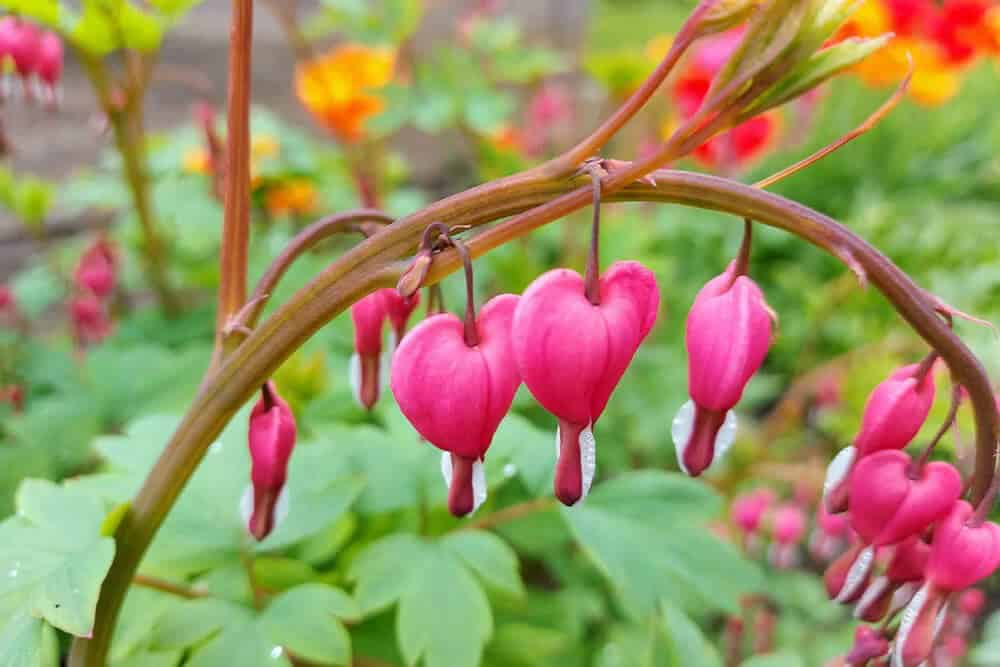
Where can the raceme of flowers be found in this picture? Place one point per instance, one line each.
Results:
(94, 282)
(340, 87)
(33, 56)
(943, 40)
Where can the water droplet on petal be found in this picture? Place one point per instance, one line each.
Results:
(354, 377)
(838, 469)
(588, 458)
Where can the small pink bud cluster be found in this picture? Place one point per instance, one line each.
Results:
(35, 56)
(369, 316)
(728, 335)
(758, 517)
(569, 351)
(271, 439)
(95, 279)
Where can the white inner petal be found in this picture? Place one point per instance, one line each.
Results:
(910, 615)
(874, 590)
(588, 458)
(446, 468)
(903, 595)
(354, 377)
(683, 424)
(478, 485)
(857, 574)
(838, 469)
(281, 507)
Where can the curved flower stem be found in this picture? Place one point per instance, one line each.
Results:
(592, 281)
(303, 241)
(376, 263)
(956, 401)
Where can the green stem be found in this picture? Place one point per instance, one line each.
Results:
(376, 263)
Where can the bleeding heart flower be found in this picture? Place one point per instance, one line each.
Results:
(748, 509)
(90, 320)
(271, 438)
(963, 553)
(891, 500)
(869, 644)
(728, 334)
(788, 525)
(847, 577)
(398, 309)
(456, 395)
(572, 353)
(368, 316)
(921, 621)
(906, 566)
(24, 39)
(829, 535)
(96, 271)
(893, 415)
(49, 65)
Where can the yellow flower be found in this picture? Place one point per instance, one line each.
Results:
(337, 87)
(290, 197)
(196, 161)
(934, 80)
(870, 19)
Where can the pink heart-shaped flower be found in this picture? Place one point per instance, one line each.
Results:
(890, 501)
(963, 554)
(456, 395)
(571, 354)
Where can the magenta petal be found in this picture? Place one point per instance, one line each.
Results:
(728, 334)
(895, 411)
(962, 555)
(271, 439)
(455, 395)
(368, 315)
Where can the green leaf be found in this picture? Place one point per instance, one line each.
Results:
(26, 641)
(53, 557)
(305, 621)
(489, 557)
(645, 531)
(527, 448)
(191, 622)
(443, 617)
(689, 644)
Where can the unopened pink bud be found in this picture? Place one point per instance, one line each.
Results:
(906, 566)
(869, 644)
(728, 335)
(90, 320)
(368, 315)
(971, 602)
(848, 576)
(788, 524)
(572, 354)
(891, 501)
(23, 42)
(963, 553)
(50, 58)
(96, 270)
(748, 509)
(895, 411)
(456, 395)
(271, 438)
(399, 308)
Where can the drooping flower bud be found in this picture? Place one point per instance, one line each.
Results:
(788, 527)
(49, 66)
(893, 415)
(891, 500)
(399, 308)
(906, 566)
(965, 550)
(90, 320)
(572, 354)
(830, 534)
(271, 438)
(456, 395)
(368, 316)
(748, 510)
(24, 39)
(96, 270)
(869, 644)
(971, 602)
(847, 577)
(728, 334)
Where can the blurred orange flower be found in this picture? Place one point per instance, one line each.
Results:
(196, 161)
(291, 197)
(337, 87)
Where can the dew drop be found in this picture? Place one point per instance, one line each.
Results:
(509, 470)
(215, 447)
(277, 652)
